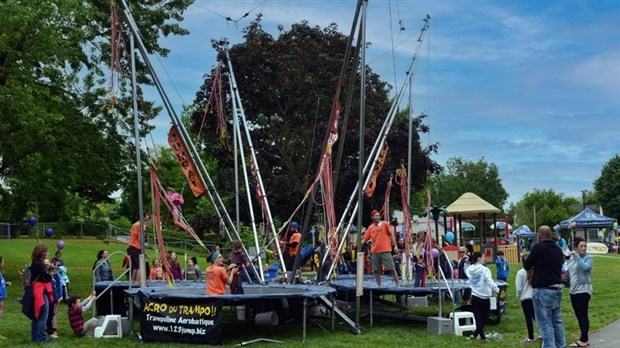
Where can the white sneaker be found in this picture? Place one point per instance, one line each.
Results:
(528, 341)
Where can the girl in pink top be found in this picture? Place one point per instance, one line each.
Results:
(177, 202)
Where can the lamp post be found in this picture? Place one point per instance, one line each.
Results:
(583, 197)
(535, 227)
(435, 211)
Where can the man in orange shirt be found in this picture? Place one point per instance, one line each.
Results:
(293, 245)
(383, 242)
(135, 247)
(217, 277)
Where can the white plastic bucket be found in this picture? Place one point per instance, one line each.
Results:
(266, 319)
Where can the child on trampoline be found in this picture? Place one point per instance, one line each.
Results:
(177, 208)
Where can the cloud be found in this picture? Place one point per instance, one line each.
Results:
(599, 73)
(532, 87)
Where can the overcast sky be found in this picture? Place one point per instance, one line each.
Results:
(532, 86)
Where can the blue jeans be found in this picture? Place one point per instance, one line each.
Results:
(547, 308)
(37, 328)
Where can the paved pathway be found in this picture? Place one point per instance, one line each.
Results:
(607, 337)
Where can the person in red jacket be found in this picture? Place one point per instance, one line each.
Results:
(383, 242)
(42, 293)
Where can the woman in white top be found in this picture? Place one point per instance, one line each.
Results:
(523, 283)
(482, 288)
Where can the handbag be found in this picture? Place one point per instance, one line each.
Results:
(28, 302)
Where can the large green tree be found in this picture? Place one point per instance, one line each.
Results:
(543, 207)
(460, 176)
(607, 187)
(65, 136)
(287, 85)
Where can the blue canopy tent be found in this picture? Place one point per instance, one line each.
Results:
(501, 225)
(467, 227)
(588, 219)
(524, 232)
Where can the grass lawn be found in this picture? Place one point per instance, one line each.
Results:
(79, 256)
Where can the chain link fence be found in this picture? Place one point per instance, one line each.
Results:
(99, 231)
(5, 230)
(61, 229)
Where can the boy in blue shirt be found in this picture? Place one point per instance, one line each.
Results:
(559, 241)
(3, 294)
(503, 268)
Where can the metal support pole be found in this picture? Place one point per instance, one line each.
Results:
(130, 316)
(333, 299)
(202, 172)
(360, 178)
(370, 301)
(136, 132)
(304, 318)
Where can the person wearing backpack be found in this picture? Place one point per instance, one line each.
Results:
(42, 294)
(3, 294)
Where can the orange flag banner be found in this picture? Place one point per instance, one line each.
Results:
(187, 166)
(372, 184)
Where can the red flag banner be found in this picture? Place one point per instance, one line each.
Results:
(187, 166)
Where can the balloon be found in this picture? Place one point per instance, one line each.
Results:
(49, 232)
(573, 224)
(435, 253)
(32, 221)
(603, 230)
(449, 237)
(60, 245)
(615, 224)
